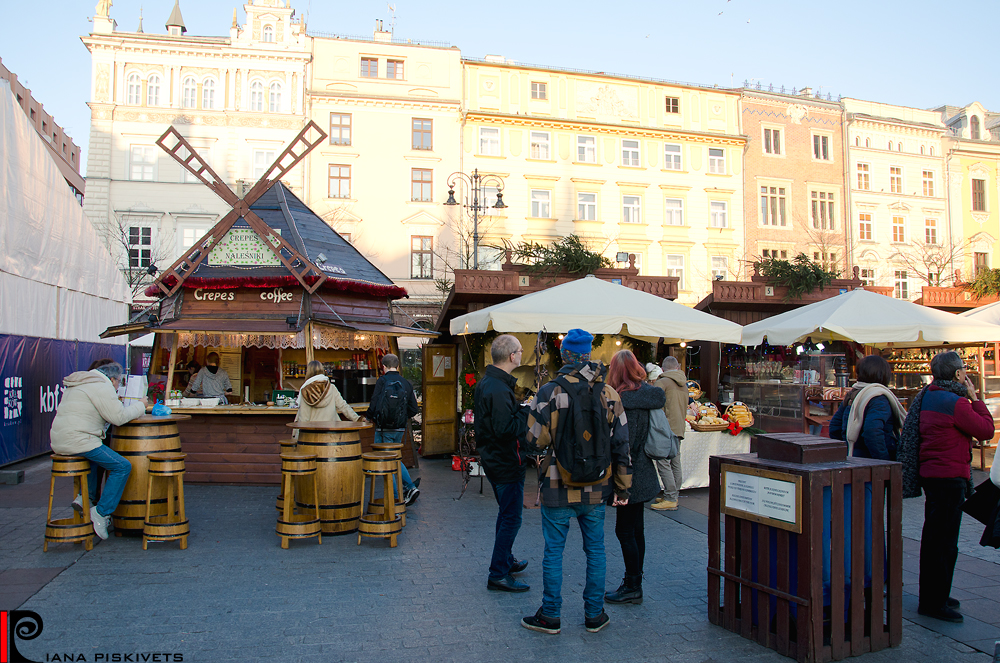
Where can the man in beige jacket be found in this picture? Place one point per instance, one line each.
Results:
(90, 404)
(674, 383)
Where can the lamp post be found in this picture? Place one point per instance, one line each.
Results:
(475, 184)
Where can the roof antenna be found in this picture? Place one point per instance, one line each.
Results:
(392, 16)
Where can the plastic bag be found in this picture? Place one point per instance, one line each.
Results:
(160, 410)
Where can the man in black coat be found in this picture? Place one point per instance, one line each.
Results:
(499, 422)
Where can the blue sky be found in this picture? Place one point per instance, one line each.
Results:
(911, 53)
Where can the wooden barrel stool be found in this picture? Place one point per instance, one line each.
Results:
(295, 469)
(376, 503)
(387, 524)
(337, 446)
(287, 446)
(171, 524)
(78, 528)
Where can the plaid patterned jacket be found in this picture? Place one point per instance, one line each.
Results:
(549, 404)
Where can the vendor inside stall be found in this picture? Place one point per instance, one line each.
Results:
(211, 381)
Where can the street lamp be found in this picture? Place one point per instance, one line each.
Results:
(476, 185)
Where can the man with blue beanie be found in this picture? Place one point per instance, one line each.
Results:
(549, 413)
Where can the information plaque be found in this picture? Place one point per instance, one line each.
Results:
(764, 496)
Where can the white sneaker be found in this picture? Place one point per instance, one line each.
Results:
(100, 523)
(78, 504)
(411, 496)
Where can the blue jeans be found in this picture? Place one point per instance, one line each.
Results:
(396, 437)
(118, 470)
(555, 527)
(510, 498)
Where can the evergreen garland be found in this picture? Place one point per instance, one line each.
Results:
(800, 276)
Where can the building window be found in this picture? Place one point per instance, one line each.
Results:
(153, 91)
(268, 34)
(898, 229)
(586, 206)
(901, 279)
(673, 105)
(980, 262)
(718, 214)
(257, 96)
(824, 211)
(586, 149)
(675, 267)
(930, 231)
(134, 92)
(923, 149)
(143, 166)
(673, 213)
(774, 254)
(630, 153)
(899, 146)
(340, 128)
(720, 267)
(828, 260)
(189, 93)
(895, 179)
(865, 227)
(422, 133)
(890, 146)
(717, 161)
(539, 147)
(772, 141)
(339, 181)
(631, 209)
(274, 98)
(929, 183)
(369, 67)
(672, 156)
(489, 141)
(868, 277)
(932, 150)
(208, 94)
(420, 184)
(421, 257)
(868, 142)
(262, 160)
(821, 148)
(864, 177)
(394, 69)
(772, 206)
(539, 90)
(974, 127)
(541, 204)
(978, 195)
(140, 246)
(189, 236)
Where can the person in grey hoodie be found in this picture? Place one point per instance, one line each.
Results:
(320, 400)
(673, 382)
(88, 406)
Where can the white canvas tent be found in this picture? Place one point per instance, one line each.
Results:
(599, 307)
(57, 278)
(987, 313)
(870, 318)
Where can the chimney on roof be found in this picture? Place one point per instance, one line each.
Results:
(806, 92)
(381, 34)
(175, 24)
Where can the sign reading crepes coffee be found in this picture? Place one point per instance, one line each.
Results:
(247, 301)
(243, 246)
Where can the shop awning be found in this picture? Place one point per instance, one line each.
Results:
(392, 330)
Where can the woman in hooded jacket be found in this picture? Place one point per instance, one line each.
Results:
(628, 377)
(319, 400)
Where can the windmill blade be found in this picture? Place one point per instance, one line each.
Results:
(185, 266)
(174, 144)
(276, 243)
(308, 139)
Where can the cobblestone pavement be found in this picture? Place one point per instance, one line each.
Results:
(235, 595)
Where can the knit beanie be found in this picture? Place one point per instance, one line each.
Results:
(653, 372)
(576, 346)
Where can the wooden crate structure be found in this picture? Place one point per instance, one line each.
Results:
(774, 585)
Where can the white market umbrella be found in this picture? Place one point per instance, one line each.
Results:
(872, 319)
(988, 313)
(599, 307)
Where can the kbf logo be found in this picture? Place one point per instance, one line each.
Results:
(17, 625)
(48, 398)
(13, 398)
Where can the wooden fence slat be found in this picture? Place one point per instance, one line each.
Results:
(895, 555)
(837, 580)
(812, 560)
(746, 556)
(858, 479)
(730, 587)
(764, 578)
(877, 611)
(783, 584)
(714, 523)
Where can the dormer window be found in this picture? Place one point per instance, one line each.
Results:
(974, 127)
(268, 34)
(175, 31)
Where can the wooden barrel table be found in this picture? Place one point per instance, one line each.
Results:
(339, 482)
(135, 441)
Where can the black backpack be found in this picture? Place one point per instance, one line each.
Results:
(391, 410)
(583, 452)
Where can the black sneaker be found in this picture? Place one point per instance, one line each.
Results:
(954, 604)
(541, 623)
(595, 624)
(416, 482)
(411, 496)
(943, 613)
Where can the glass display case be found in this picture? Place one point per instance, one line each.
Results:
(911, 369)
(778, 407)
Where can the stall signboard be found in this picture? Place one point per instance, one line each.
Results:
(763, 496)
(280, 301)
(243, 246)
(31, 375)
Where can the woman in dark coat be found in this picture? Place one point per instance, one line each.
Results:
(870, 417)
(628, 377)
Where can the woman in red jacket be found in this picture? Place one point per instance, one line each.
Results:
(950, 416)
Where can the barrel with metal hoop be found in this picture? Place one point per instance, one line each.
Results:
(136, 440)
(337, 446)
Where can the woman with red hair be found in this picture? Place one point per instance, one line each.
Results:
(628, 377)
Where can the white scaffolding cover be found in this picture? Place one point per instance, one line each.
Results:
(57, 278)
